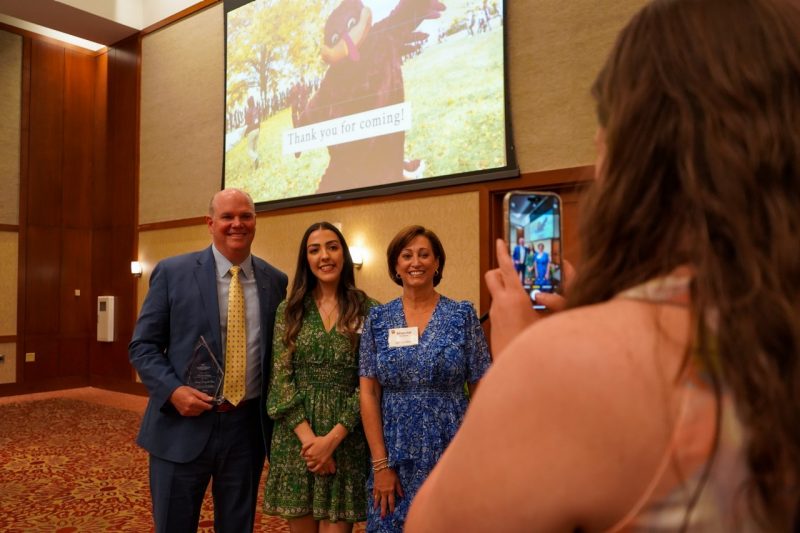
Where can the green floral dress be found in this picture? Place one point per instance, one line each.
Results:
(318, 384)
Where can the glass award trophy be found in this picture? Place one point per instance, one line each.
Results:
(205, 373)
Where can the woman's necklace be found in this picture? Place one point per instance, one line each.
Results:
(326, 312)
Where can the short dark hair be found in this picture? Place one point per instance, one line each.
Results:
(401, 240)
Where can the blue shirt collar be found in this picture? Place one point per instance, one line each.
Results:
(224, 265)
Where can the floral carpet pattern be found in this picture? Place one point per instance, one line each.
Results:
(73, 466)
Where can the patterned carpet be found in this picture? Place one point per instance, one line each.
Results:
(72, 466)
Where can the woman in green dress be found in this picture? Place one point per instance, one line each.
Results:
(319, 462)
(530, 266)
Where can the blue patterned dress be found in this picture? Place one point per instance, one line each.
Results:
(423, 399)
(542, 260)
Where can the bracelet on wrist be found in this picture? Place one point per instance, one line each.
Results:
(380, 464)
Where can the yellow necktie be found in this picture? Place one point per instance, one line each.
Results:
(236, 343)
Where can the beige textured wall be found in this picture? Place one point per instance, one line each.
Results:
(371, 227)
(9, 261)
(8, 368)
(9, 251)
(10, 104)
(555, 49)
(182, 102)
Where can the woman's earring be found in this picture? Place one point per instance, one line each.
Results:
(436, 272)
(397, 275)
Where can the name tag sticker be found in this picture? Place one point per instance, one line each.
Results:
(403, 337)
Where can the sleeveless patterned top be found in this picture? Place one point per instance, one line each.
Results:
(677, 498)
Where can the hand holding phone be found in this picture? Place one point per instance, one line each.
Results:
(511, 311)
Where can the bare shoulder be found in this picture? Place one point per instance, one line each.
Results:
(610, 340)
(577, 404)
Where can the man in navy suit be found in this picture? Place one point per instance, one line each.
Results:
(192, 440)
(519, 258)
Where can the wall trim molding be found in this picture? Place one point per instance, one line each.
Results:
(191, 10)
(13, 389)
(543, 178)
(51, 40)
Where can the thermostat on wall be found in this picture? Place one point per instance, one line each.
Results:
(105, 318)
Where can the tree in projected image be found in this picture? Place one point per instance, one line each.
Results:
(267, 52)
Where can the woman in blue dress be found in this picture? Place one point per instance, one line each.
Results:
(417, 352)
(542, 266)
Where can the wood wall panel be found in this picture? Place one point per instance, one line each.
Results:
(79, 76)
(125, 290)
(76, 268)
(72, 359)
(101, 185)
(123, 287)
(101, 353)
(122, 157)
(46, 365)
(101, 362)
(44, 178)
(102, 278)
(57, 162)
(114, 233)
(42, 280)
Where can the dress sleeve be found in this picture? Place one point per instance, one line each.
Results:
(283, 399)
(350, 413)
(368, 350)
(477, 356)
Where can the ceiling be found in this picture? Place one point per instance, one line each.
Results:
(90, 24)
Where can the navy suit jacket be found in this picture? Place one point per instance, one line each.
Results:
(180, 306)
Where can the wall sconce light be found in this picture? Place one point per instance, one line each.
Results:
(357, 254)
(136, 269)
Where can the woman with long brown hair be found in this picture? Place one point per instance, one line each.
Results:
(318, 466)
(668, 397)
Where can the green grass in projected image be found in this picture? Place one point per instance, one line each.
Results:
(458, 122)
(278, 176)
(464, 115)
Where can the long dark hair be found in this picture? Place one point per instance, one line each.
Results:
(352, 301)
(700, 101)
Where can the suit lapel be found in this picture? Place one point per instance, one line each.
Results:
(206, 276)
(264, 299)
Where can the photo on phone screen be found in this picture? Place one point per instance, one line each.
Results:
(533, 231)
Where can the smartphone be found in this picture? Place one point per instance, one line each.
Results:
(532, 226)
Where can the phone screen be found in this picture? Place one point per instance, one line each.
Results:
(533, 232)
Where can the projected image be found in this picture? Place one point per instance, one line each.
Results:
(331, 96)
